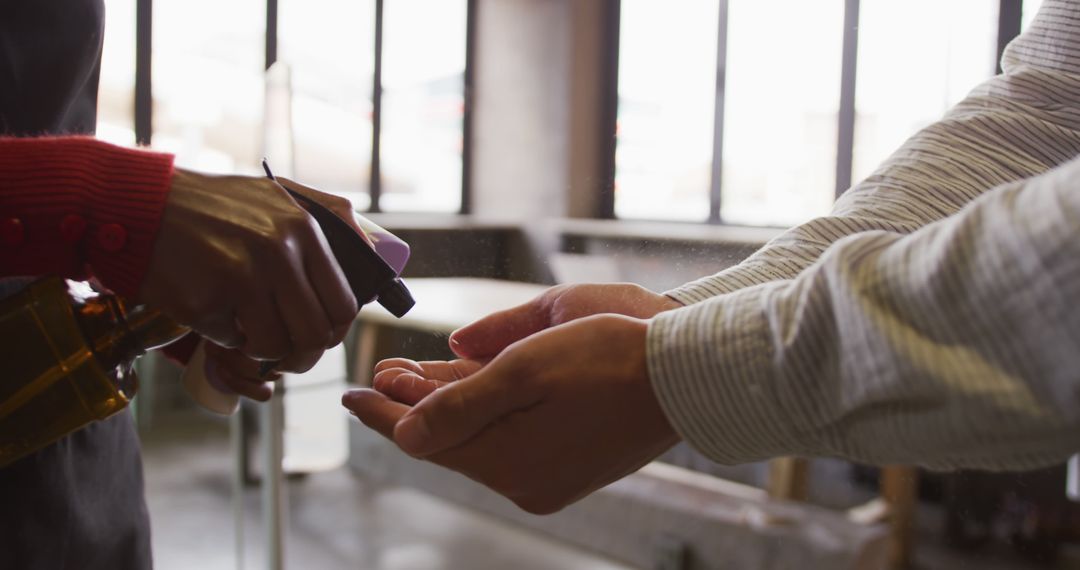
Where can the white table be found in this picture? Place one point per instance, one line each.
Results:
(443, 305)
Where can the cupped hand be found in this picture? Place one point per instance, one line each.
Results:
(239, 262)
(561, 304)
(549, 420)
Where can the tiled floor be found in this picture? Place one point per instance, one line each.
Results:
(336, 520)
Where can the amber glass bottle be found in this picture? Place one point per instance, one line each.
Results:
(69, 352)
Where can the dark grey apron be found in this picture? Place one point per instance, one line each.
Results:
(77, 504)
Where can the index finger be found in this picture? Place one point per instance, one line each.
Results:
(375, 410)
(441, 370)
(330, 286)
(489, 335)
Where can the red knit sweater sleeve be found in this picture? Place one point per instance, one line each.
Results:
(74, 206)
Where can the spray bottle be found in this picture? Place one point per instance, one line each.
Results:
(70, 349)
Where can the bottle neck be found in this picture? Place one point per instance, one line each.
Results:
(152, 329)
(117, 333)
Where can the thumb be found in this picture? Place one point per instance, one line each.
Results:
(340, 206)
(488, 336)
(455, 413)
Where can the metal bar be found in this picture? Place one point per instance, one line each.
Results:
(375, 184)
(273, 488)
(845, 139)
(717, 182)
(144, 101)
(236, 441)
(1072, 485)
(467, 119)
(1010, 17)
(271, 32)
(272, 416)
(610, 109)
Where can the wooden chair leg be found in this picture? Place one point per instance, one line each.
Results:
(788, 479)
(899, 485)
(366, 353)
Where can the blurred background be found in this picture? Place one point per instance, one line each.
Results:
(534, 142)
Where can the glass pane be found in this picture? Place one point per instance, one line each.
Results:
(208, 59)
(423, 104)
(1031, 7)
(782, 104)
(330, 48)
(667, 97)
(116, 92)
(899, 91)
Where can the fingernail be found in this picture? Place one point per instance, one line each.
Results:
(412, 434)
(350, 398)
(456, 347)
(376, 380)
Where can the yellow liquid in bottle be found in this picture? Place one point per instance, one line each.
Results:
(68, 362)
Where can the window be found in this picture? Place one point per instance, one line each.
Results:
(116, 90)
(208, 87)
(1031, 7)
(665, 111)
(781, 103)
(208, 82)
(423, 100)
(745, 112)
(329, 46)
(900, 91)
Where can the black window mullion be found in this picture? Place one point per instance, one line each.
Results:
(271, 32)
(144, 23)
(1010, 16)
(605, 204)
(375, 184)
(845, 140)
(717, 180)
(467, 119)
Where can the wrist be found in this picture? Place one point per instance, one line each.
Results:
(76, 202)
(636, 346)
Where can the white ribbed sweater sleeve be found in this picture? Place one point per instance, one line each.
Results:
(955, 346)
(1014, 126)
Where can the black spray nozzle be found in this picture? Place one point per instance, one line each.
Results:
(396, 298)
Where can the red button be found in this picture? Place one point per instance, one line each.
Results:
(112, 237)
(72, 228)
(11, 231)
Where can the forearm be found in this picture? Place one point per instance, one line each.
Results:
(955, 346)
(69, 204)
(1014, 126)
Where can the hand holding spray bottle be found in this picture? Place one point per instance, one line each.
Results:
(73, 349)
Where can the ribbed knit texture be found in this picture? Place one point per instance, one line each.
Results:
(42, 180)
(953, 346)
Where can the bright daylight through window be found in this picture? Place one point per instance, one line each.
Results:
(206, 72)
(329, 46)
(423, 104)
(781, 91)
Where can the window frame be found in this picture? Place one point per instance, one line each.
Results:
(1010, 14)
(143, 111)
